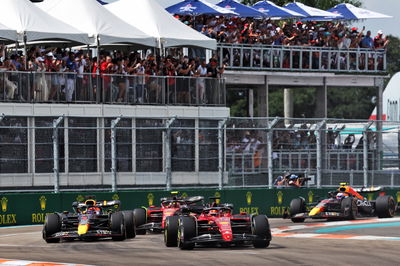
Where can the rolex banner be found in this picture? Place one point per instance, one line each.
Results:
(31, 208)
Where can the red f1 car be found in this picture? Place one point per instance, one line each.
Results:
(217, 225)
(153, 218)
(345, 203)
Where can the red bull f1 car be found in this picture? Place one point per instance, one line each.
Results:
(90, 220)
(346, 203)
(217, 225)
(153, 217)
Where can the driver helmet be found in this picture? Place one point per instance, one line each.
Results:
(293, 176)
(93, 210)
(340, 195)
(213, 212)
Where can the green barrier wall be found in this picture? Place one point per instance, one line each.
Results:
(23, 209)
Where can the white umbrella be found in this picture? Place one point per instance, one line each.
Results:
(311, 13)
(154, 20)
(32, 24)
(97, 22)
(348, 11)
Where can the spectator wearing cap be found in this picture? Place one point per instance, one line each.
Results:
(379, 40)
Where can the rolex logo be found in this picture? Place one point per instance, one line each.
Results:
(249, 197)
(184, 195)
(150, 198)
(80, 198)
(280, 197)
(218, 196)
(310, 196)
(398, 196)
(42, 201)
(4, 202)
(115, 197)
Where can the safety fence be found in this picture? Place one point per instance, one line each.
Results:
(129, 152)
(65, 87)
(31, 208)
(301, 58)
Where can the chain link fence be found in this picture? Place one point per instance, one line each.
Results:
(132, 152)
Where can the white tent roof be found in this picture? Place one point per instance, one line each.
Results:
(93, 19)
(154, 20)
(24, 17)
(7, 33)
(168, 3)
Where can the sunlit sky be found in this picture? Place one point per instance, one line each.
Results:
(388, 7)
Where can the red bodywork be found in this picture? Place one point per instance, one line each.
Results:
(156, 215)
(221, 222)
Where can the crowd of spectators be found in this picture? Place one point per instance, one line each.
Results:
(83, 66)
(269, 32)
(246, 149)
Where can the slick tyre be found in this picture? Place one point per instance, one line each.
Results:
(297, 206)
(140, 215)
(118, 227)
(51, 226)
(186, 231)
(385, 206)
(261, 229)
(349, 208)
(171, 231)
(129, 221)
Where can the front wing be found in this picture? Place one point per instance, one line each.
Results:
(321, 215)
(90, 234)
(217, 238)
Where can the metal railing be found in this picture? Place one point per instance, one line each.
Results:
(48, 87)
(174, 151)
(301, 58)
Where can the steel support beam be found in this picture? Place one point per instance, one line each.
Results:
(56, 154)
(365, 153)
(221, 145)
(320, 125)
(269, 146)
(114, 124)
(168, 159)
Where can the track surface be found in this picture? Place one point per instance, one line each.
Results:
(25, 243)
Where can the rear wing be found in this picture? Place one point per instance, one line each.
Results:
(100, 203)
(368, 190)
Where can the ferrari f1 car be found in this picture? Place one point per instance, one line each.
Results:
(90, 220)
(346, 203)
(153, 217)
(217, 225)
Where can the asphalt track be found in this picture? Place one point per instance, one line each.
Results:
(294, 244)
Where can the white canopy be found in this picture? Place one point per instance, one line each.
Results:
(154, 20)
(93, 19)
(168, 3)
(7, 33)
(27, 19)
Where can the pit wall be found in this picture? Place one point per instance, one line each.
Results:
(31, 208)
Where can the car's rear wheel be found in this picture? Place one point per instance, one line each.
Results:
(349, 208)
(186, 231)
(385, 206)
(129, 221)
(117, 226)
(171, 231)
(140, 215)
(260, 228)
(51, 226)
(297, 206)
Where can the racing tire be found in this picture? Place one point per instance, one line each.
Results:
(171, 231)
(118, 227)
(385, 206)
(260, 228)
(186, 231)
(129, 221)
(297, 206)
(51, 226)
(349, 208)
(140, 215)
